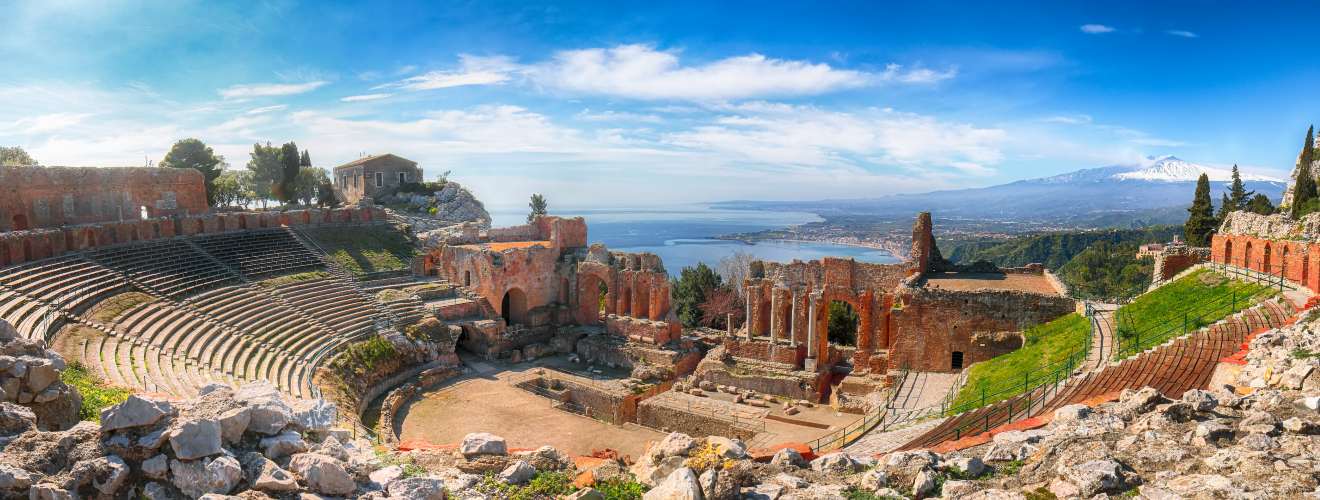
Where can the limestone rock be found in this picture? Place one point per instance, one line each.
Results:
(313, 415)
(873, 480)
(16, 419)
(518, 472)
(384, 476)
(199, 477)
(1200, 400)
(322, 474)
(727, 448)
(47, 491)
(1259, 422)
(157, 467)
(679, 485)
(111, 476)
(482, 443)
(269, 416)
(789, 456)
(970, 466)
(1088, 479)
(13, 478)
(419, 488)
(195, 438)
(136, 411)
(233, 423)
(958, 489)
(284, 444)
(1071, 413)
(587, 493)
(265, 475)
(838, 463)
(158, 491)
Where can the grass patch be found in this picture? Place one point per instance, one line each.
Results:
(113, 307)
(290, 279)
(1300, 353)
(1201, 298)
(1046, 347)
(364, 250)
(96, 394)
(543, 485)
(363, 357)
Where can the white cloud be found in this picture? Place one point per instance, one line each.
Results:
(49, 122)
(895, 73)
(1182, 33)
(642, 72)
(1096, 29)
(473, 70)
(617, 116)
(364, 97)
(267, 109)
(268, 89)
(1069, 119)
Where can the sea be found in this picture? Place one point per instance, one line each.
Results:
(685, 235)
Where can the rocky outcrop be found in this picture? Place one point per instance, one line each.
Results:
(30, 376)
(452, 204)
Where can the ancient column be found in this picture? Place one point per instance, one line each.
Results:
(811, 327)
(747, 294)
(792, 319)
(774, 312)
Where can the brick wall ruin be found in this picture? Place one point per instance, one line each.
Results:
(1293, 259)
(51, 197)
(17, 247)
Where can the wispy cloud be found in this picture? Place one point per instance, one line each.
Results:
(51, 122)
(473, 70)
(1096, 29)
(895, 73)
(269, 89)
(1182, 33)
(364, 97)
(267, 109)
(617, 116)
(642, 72)
(1069, 119)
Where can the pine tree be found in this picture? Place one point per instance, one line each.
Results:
(1237, 193)
(1308, 147)
(306, 160)
(1201, 218)
(1225, 206)
(538, 206)
(1304, 193)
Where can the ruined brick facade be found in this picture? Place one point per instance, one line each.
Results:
(24, 246)
(51, 197)
(1295, 260)
(543, 274)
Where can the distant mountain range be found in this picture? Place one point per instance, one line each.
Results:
(1153, 192)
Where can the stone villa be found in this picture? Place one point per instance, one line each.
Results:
(364, 177)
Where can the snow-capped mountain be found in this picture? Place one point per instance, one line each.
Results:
(1170, 168)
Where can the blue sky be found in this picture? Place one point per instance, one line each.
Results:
(639, 103)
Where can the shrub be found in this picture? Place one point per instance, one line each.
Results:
(365, 356)
(620, 489)
(96, 394)
(543, 485)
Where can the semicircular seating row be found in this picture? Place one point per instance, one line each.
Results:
(209, 323)
(1184, 363)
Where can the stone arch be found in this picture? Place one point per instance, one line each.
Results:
(1246, 256)
(242, 221)
(514, 307)
(593, 298)
(306, 217)
(625, 301)
(956, 360)
(642, 309)
(1283, 260)
(847, 314)
(20, 222)
(1228, 250)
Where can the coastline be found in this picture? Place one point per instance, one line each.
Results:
(895, 249)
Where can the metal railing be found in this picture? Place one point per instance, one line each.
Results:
(883, 418)
(1132, 339)
(1247, 274)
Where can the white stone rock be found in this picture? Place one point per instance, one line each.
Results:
(1200, 400)
(157, 467)
(264, 475)
(13, 478)
(47, 491)
(482, 443)
(283, 444)
(1071, 413)
(384, 476)
(418, 488)
(113, 476)
(1311, 402)
(970, 466)
(840, 463)
(268, 416)
(727, 448)
(197, 438)
(873, 480)
(958, 489)
(322, 474)
(924, 483)
(136, 411)
(518, 472)
(233, 423)
(314, 415)
(788, 456)
(199, 477)
(679, 485)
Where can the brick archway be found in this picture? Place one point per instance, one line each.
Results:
(594, 297)
(20, 222)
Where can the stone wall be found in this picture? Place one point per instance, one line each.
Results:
(1295, 260)
(1175, 259)
(667, 413)
(17, 247)
(50, 197)
(935, 323)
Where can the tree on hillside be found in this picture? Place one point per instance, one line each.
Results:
(733, 269)
(721, 306)
(325, 194)
(1308, 147)
(306, 160)
(15, 157)
(1304, 199)
(1225, 206)
(290, 160)
(1260, 204)
(1237, 193)
(266, 169)
(693, 286)
(1201, 218)
(195, 154)
(1107, 271)
(538, 206)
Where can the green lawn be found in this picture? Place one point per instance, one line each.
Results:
(364, 250)
(1047, 347)
(1202, 298)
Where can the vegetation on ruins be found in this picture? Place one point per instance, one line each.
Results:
(620, 489)
(543, 485)
(538, 206)
(15, 157)
(290, 164)
(1044, 346)
(233, 188)
(363, 357)
(96, 394)
(843, 324)
(289, 279)
(692, 289)
(1108, 271)
(195, 154)
(1193, 301)
(1201, 222)
(308, 183)
(366, 249)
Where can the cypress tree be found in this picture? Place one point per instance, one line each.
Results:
(1200, 216)
(306, 160)
(1237, 193)
(1303, 191)
(1225, 206)
(1308, 147)
(290, 160)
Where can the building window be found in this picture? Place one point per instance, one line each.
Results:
(956, 362)
(380, 179)
(403, 177)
